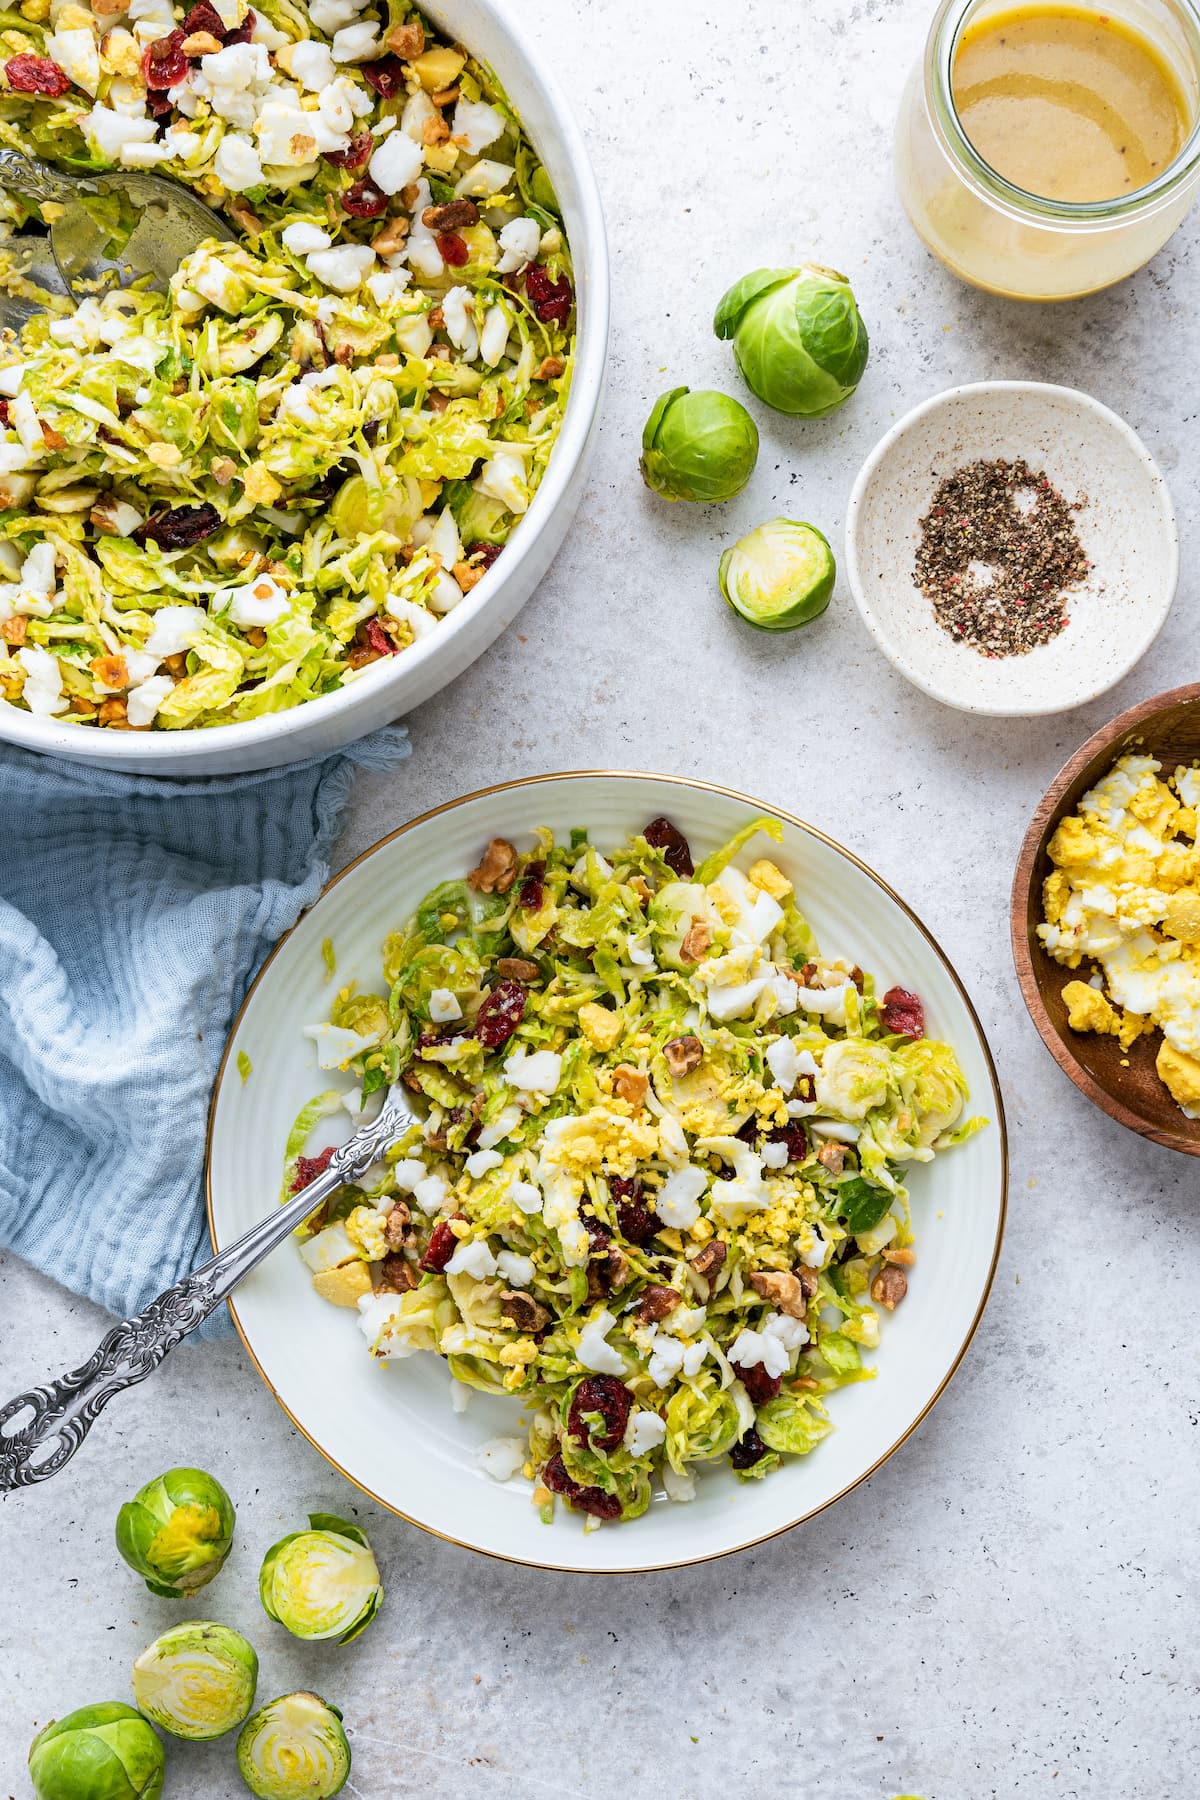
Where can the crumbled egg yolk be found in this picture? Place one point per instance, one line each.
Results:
(1124, 894)
(605, 1136)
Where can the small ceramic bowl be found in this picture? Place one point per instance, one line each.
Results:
(1122, 1083)
(1127, 529)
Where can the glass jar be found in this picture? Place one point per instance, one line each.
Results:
(997, 236)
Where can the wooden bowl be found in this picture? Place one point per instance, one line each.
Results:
(1166, 727)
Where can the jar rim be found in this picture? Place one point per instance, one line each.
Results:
(941, 48)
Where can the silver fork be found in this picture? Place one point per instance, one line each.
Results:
(64, 1411)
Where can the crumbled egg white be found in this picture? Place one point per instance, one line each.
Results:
(594, 1351)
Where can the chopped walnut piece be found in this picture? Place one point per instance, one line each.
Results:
(397, 1227)
(805, 1384)
(396, 1274)
(451, 217)
(434, 131)
(222, 469)
(630, 1084)
(641, 888)
(656, 1302)
(53, 440)
(245, 217)
(445, 96)
(832, 1157)
(79, 702)
(808, 1280)
(468, 575)
(523, 1311)
(13, 630)
(435, 318)
(515, 968)
(549, 369)
(110, 671)
(202, 43)
(256, 636)
(391, 239)
(407, 40)
(497, 868)
(906, 1258)
(438, 403)
(697, 941)
(889, 1287)
(683, 1054)
(709, 1261)
(783, 1291)
(176, 664)
(112, 712)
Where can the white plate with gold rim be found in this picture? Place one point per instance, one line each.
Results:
(392, 1430)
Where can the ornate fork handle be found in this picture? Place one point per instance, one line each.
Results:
(64, 1411)
(35, 180)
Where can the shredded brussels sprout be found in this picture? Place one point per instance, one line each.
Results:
(659, 1194)
(222, 501)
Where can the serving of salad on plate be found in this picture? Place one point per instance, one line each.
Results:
(224, 500)
(658, 1194)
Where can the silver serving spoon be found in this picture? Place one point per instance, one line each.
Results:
(62, 1412)
(156, 223)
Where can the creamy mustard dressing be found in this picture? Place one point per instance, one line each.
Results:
(1068, 103)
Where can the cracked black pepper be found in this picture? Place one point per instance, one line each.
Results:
(998, 555)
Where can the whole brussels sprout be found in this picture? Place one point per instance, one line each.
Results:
(177, 1531)
(700, 446)
(798, 337)
(104, 1752)
(197, 1680)
(294, 1748)
(322, 1583)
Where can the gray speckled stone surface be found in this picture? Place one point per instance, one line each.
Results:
(1009, 1607)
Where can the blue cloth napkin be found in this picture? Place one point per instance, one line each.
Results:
(133, 912)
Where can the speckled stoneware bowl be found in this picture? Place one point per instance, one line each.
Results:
(1127, 529)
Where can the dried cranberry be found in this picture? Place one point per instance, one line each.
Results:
(36, 75)
(309, 1167)
(502, 1011)
(533, 886)
(638, 1222)
(161, 105)
(442, 1245)
(357, 151)
(551, 300)
(605, 1395)
(180, 528)
(806, 1089)
(364, 200)
(794, 1136)
(760, 1386)
(244, 32)
(660, 834)
(204, 17)
(378, 639)
(4, 414)
(903, 1013)
(585, 1499)
(164, 64)
(484, 554)
(385, 75)
(750, 1450)
(455, 250)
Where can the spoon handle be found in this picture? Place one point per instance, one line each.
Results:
(62, 1412)
(34, 180)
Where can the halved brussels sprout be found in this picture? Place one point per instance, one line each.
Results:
(779, 575)
(700, 446)
(322, 1583)
(798, 337)
(294, 1749)
(177, 1531)
(104, 1752)
(197, 1680)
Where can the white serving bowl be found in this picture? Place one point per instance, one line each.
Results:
(1127, 528)
(392, 687)
(392, 1429)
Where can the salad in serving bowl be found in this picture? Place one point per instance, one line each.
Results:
(241, 495)
(658, 1194)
